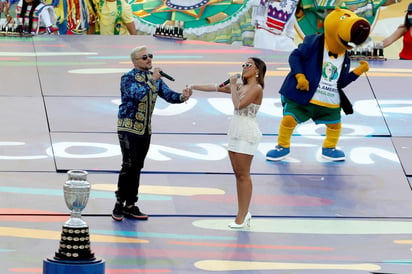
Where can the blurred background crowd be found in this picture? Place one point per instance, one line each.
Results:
(271, 24)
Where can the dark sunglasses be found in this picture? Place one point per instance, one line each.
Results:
(246, 65)
(145, 56)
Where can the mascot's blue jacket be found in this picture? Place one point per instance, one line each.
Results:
(307, 59)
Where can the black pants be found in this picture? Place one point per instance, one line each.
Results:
(134, 150)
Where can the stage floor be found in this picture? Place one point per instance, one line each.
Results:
(59, 98)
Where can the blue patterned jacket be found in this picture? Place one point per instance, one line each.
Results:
(138, 98)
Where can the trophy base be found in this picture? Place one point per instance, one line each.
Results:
(53, 266)
(74, 245)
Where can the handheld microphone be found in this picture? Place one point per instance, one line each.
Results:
(167, 76)
(228, 81)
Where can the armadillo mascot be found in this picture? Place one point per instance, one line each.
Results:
(313, 89)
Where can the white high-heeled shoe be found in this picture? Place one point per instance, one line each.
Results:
(246, 221)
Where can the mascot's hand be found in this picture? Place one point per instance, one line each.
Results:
(303, 83)
(363, 67)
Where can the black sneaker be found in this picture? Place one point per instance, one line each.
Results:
(134, 213)
(117, 213)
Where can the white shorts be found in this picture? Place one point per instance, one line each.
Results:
(266, 40)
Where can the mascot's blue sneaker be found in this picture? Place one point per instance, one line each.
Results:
(333, 154)
(278, 153)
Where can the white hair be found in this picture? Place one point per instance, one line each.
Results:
(136, 50)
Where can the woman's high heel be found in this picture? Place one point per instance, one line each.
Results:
(246, 221)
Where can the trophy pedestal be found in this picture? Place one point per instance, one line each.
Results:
(74, 254)
(54, 266)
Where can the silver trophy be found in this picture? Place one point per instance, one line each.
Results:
(75, 238)
(76, 194)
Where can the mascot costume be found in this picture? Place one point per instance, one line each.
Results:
(319, 70)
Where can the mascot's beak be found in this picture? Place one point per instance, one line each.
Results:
(360, 31)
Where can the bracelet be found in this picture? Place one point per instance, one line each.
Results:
(216, 87)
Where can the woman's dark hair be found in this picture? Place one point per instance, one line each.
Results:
(34, 4)
(261, 66)
(407, 23)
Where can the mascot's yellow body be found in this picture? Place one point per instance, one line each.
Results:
(314, 87)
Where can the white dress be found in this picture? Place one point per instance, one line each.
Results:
(244, 133)
(274, 23)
